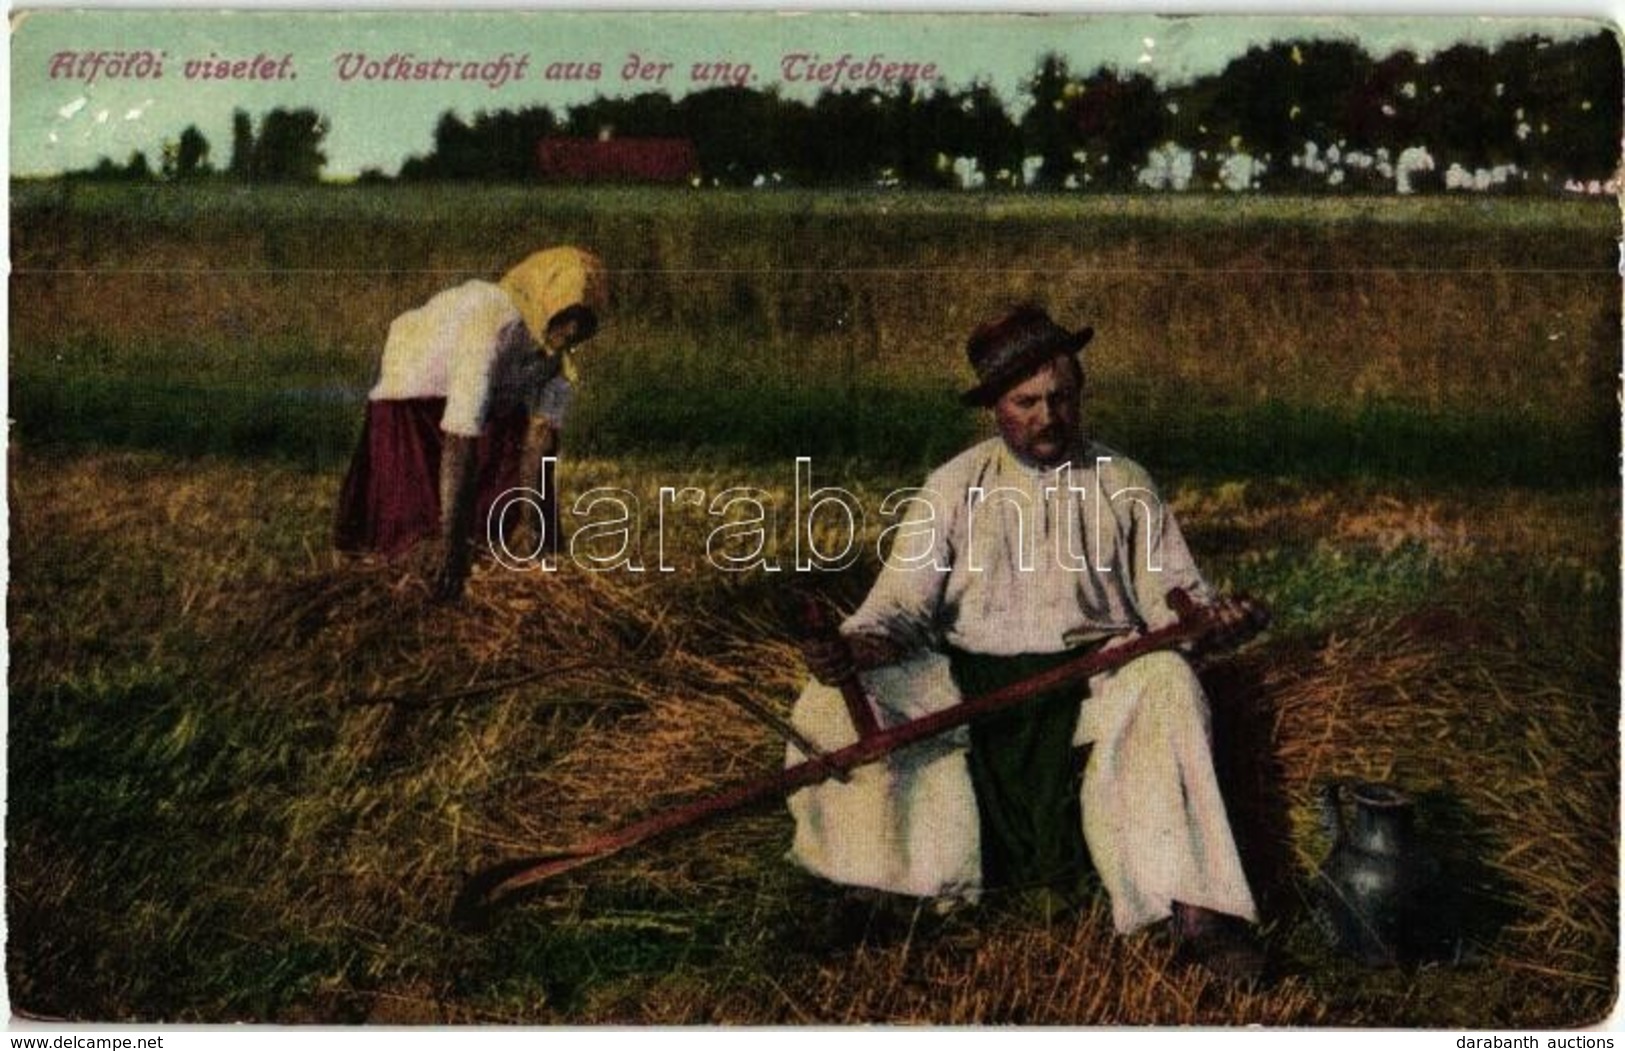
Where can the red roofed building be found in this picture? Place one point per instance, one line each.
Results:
(562, 159)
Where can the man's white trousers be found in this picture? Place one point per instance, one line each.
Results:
(1152, 813)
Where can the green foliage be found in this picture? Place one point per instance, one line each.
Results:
(242, 145)
(1552, 108)
(287, 147)
(1116, 120)
(312, 427)
(1046, 127)
(496, 146)
(1322, 442)
(187, 157)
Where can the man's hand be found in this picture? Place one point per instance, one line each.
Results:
(829, 659)
(1237, 618)
(1231, 619)
(833, 658)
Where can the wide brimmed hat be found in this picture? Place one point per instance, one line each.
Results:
(1006, 350)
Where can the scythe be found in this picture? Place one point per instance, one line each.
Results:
(509, 881)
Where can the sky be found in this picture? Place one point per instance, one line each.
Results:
(73, 118)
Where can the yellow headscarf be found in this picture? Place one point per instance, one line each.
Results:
(550, 282)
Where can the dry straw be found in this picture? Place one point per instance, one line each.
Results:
(1444, 705)
(413, 743)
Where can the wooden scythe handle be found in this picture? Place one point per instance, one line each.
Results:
(858, 706)
(1197, 625)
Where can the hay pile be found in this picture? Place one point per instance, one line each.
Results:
(1514, 765)
(642, 696)
(546, 706)
(549, 707)
(302, 757)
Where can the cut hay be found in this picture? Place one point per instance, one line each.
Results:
(1515, 775)
(1511, 771)
(302, 756)
(645, 704)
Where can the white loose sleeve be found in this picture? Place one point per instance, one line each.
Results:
(1161, 561)
(475, 340)
(905, 604)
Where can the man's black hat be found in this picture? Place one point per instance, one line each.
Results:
(1006, 350)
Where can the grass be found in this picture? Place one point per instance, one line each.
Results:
(765, 423)
(188, 204)
(248, 777)
(1339, 338)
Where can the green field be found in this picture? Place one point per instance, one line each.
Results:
(1343, 337)
(247, 776)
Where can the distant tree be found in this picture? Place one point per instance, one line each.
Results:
(934, 130)
(192, 154)
(1326, 75)
(908, 156)
(1321, 89)
(735, 131)
(456, 154)
(1465, 119)
(1187, 107)
(508, 139)
(186, 157)
(371, 176)
(846, 137)
(415, 169)
(1118, 118)
(106, 170)
(1540, 104)
(795, 143)
(1375, 111)
(136, 169)
(992, 138)
(1047, 128)
(496, 145)
(1252, 101)
(1378, 114)
(288, 146)
(242, 146)
(1574, 107)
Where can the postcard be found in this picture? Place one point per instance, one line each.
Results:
(730, 518)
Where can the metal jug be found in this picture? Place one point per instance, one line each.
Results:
(1374, 883)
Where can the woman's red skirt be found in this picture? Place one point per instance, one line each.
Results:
(391, 495)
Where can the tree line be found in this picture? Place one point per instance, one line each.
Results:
(284, 146)
(1292, 115)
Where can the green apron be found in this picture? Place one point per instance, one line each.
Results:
(1026, 781)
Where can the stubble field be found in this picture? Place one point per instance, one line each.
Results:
(247, 776)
